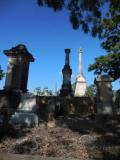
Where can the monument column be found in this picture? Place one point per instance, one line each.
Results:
(67, 53)
(80, 67)
(80, 87)
(67, 72)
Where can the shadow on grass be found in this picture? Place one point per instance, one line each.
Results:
(9, 131)
(107, 145)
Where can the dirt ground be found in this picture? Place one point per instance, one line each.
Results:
(84, 138)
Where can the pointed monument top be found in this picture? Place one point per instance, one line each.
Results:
(80, 50)
(67, 50)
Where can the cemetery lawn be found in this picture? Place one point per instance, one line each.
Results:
(66, 137)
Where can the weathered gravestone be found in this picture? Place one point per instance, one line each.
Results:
(16, 81)
(18, 67)
(104, 94)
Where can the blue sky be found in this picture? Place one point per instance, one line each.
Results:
(46, 34)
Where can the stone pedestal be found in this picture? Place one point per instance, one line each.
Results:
(104, 94)
(80, 88)
(67, 72)
(18, 67)
(26, 114)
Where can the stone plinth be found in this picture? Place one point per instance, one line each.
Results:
(28, 103)
(27, 111)
(18, 67)
(80, 88)
(104, 94)
(28, 119)
(67, 72)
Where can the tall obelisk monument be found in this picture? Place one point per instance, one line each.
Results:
(81, 85)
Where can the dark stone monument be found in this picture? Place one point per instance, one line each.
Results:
(16, 79)
(67, 72)
(18, 67)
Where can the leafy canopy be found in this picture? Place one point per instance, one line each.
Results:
(1, 73)
(109, 64)
(91, 90)
(101, 18)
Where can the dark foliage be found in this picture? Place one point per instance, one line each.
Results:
(101, 18)
(1, 73)
(108, 64)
